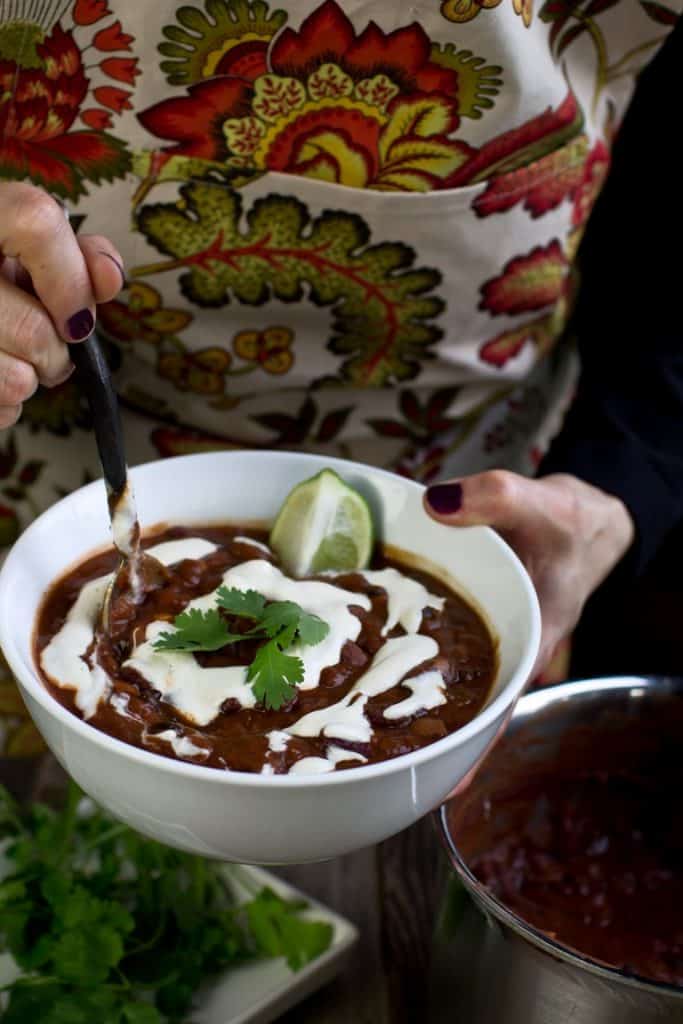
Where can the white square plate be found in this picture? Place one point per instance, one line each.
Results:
(258, 993)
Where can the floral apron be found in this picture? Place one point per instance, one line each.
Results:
(348, 227)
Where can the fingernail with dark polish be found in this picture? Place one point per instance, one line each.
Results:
(445, 498)
(80, 325)
(119, 266)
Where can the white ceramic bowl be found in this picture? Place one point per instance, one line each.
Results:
(241, 816)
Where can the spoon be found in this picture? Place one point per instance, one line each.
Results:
(137, 571)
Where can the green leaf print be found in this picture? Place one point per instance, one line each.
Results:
(382, 306)
(478, 82)
(198, 43)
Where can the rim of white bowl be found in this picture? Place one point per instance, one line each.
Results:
(32, 682)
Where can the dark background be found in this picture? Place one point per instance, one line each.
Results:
(630, 329)
(636, 627)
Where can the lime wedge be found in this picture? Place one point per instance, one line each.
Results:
(323, 524)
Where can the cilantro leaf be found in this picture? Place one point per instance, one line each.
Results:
(33, 1000)
(91, 954)
(248, 604)
(312, 630)
(197, 631)
(281, 620)
(141, 1013)
(278, 619)
(274, 675)
(28, 1002)
(280, 930)
(284, 620)
(11, 892)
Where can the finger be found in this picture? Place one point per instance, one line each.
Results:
(18, 380)
(105, 266)
(34, 230)
(495, 498)
(550, 639)
(27, 332)
(22, 279)
(13, 272)
(8, 269)
(9, 415)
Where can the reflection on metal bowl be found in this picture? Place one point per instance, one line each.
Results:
(492, 967)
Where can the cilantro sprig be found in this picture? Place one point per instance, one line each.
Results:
(273, 673)
(110, 927)
(197, 631)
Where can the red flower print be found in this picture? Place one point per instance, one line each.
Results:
(520, 146)
(422, 421)
(498, 351)
(541, 332)
(112, 38)
(592, 179)
(422, 464)
(528, 282)
(327, 36)
(87, 12)
(40, 102)
(123, 69)
(541, 186)
(366, 110)
(196, 120)
(95, 117)
(570, 172)
(115, 99)
(659, 12)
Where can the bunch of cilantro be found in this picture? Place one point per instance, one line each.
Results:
(108, 927)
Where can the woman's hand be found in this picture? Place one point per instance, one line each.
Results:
(50, 283)
(568, 534)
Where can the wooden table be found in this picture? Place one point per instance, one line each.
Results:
(391, 893)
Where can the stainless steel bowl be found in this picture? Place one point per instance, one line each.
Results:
(490, 966)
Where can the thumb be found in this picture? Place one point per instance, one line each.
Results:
(495, 498)
(105, 266)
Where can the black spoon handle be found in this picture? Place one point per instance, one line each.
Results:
(95, 380)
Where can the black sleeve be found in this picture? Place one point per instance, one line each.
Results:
(624, 430)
